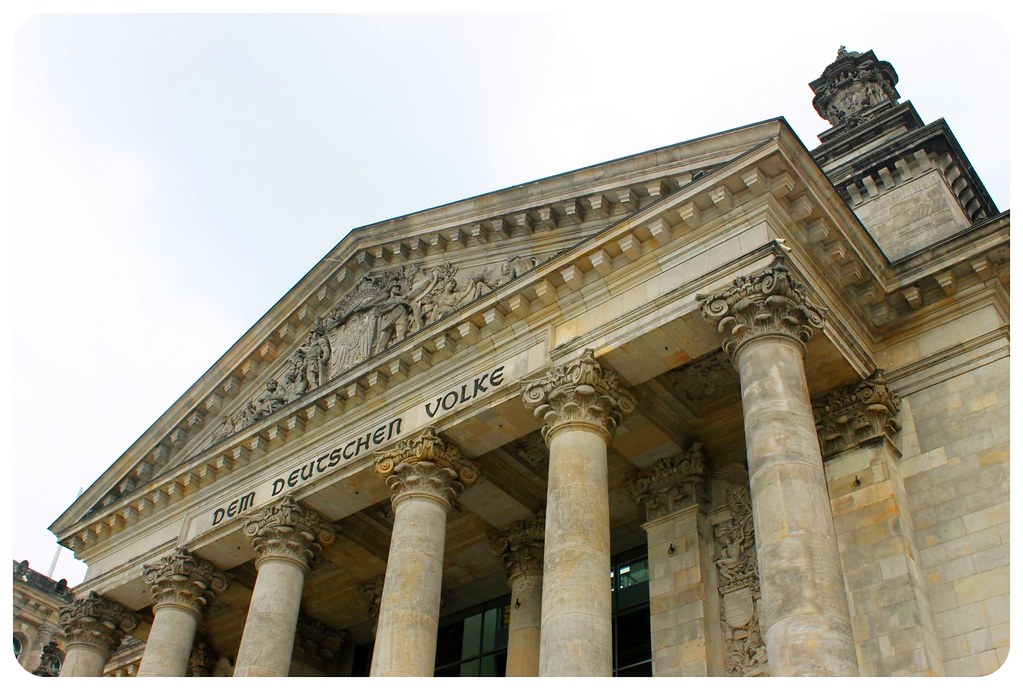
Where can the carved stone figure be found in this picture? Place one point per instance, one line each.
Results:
(271, 400)
(516, 266)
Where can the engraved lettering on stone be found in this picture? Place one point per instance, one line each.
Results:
(671, 484)
(769, 302)
(854, 414)
(582, 392)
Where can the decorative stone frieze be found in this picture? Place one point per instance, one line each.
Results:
(184, 580)
(769, 302)
(426, 465)
(579, 393)
(287, 530)
(316, 643)
(96, 621)
(852, 86)
(671, 484)
(705, 380)
(520, 546)
(855, 414)
(739, 587)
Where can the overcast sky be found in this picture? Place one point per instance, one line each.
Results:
(174, 176)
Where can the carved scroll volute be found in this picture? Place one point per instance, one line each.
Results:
(428, 466)
(286, 530)
(520, 547)
(769, 302)
(96, 621)
(671, 484)
(581, 393)
(185, 580)
(855, 414)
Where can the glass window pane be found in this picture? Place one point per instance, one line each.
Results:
(493, 665)
(470, 669)
(642, 670)
(633, 637)
(495, 632)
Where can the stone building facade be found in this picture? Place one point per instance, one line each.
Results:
(38, 636)
(763, 389)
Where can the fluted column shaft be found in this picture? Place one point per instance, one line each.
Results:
(581, 404)
(767, 318)
(93, 629)
(288, 540)
(425, 474)
(183, 586)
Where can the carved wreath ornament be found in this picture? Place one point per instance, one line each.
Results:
(770, 302)
(582, 392)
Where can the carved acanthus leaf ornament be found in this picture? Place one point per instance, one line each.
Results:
(854, 414)
(769, 302)
(581, 392)
(671, 484)
(97, 621)
(426, 465)
(287, 530)
(520, 546)
(185, 580)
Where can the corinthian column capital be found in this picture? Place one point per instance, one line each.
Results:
(426, 466)
(96, 621)
(289, 531)
(671, 484)
(185, 580)
(580, 393)
(520, 547)
(769, 302)
(855, 414)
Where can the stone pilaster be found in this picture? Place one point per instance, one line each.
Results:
(520, 548)
(683, 614)
(892, 622)
(370, 594)
(766, 318)
(202, 660)
(182, 586)
(581, 404)
(93, 629)
(425, 474)
(288, 540)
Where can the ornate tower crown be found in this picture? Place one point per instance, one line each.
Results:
(851, 87)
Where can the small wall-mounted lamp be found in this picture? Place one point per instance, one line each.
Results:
(856, 480)
(517, 604)
(671, 549)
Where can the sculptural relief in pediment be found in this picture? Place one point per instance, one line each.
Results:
(380, 311)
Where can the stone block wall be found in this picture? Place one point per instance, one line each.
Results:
(955, 466)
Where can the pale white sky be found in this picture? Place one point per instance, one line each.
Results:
(173, 176)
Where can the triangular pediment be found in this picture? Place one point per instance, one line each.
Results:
(385, 283)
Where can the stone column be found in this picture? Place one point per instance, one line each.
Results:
(289, 541)
(684, 629)
(93, 629)
(182, 586)
(520, 548)
(581, 404)
(892, 622)
(425, 474)
(767, 318)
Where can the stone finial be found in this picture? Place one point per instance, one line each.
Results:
(316, 643)
(855, 414)
(671, 484)
(96, 621)
(287, 530)
(520, 546)
(185, 580)
(769, 302)
(426, 465)
(852, 86)
(581, 392)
